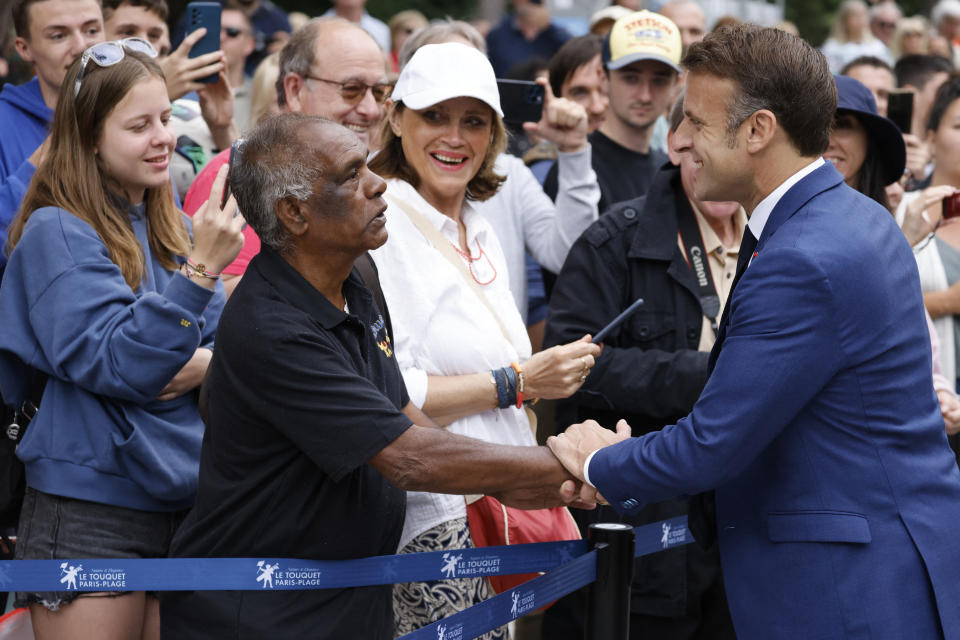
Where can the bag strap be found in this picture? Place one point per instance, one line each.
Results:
(435, 238)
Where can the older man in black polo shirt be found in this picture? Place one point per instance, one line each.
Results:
(310, 440)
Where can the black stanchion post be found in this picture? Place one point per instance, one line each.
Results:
(608, 599)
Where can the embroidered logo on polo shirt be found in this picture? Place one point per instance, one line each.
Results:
(265, 573)
(184, 322)
(379, 328)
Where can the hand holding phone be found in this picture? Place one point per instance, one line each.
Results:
(563, 122)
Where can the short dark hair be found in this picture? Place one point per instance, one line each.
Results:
(574, 53)
(21, 16)
(917, 69)
(158, 8)
(946, 94)
(776, 71)
(865, 61)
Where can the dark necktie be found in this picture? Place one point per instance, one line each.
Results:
(747, 246)
(702, 518)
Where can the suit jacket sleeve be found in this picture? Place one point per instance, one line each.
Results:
(782, 346)
(590, 292)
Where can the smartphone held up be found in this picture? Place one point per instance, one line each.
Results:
(206, 15)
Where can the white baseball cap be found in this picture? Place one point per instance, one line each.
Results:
(438, 72)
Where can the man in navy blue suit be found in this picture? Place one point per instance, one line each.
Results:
(837, 497)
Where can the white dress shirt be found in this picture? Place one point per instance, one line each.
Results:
(758, 220)
(441, 328)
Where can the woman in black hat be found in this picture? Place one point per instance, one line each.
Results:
(865, 147)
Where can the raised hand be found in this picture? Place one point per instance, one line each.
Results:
(217, 234)
(564, 122)
(183, 72)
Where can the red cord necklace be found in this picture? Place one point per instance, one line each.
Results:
(470, 260)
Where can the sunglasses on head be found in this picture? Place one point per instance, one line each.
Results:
(107, 54)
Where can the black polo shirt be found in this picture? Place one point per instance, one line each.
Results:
(300, 396)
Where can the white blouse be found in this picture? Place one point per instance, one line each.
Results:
(442, 328)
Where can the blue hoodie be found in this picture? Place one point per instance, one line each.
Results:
(100, 434)
(25, 121)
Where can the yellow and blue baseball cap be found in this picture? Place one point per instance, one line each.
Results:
(642, 35)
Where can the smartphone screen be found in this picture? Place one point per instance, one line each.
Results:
(900, 109)
(207, 15)
(521, 101)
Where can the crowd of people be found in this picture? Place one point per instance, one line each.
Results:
(302, 297)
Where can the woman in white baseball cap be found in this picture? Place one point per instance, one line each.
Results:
(461, 343)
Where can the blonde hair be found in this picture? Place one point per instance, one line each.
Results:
(71, 174)
(263, 92)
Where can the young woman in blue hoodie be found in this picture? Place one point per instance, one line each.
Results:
(107, 293)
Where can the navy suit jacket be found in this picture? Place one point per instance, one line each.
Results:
(838, 498)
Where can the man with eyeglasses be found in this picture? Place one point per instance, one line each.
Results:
(330, 68)
(50, 35)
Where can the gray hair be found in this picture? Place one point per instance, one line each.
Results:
(437, 32)
(269, 167)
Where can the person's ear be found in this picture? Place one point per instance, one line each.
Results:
(291, 215)
(293, 87)
(23, 49)
(760, 129)
(394, 116)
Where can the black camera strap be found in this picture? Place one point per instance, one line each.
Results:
(698, 260)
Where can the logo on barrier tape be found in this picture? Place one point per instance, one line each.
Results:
(107, 579)
(454, 633)
(522, 603)
(454, 566)
(672, 537)
(271, 575)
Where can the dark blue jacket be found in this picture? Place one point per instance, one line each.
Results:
(837, 496)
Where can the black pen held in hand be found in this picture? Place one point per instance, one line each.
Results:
(617, 321)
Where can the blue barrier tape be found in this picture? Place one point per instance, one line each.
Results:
(512, 604)
(661, 535)
(226, 574)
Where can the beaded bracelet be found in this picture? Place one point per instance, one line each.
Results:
(519, 372)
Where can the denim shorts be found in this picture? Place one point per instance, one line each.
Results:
(54, 527)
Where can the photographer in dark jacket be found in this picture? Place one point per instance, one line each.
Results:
(679, 255)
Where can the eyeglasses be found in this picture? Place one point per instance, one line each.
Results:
(354, 90)
(232, 32)
(107, 54)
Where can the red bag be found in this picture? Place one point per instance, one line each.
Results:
(493, 524)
